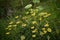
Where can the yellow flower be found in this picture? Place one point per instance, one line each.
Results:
(17, 22)
(31, 10)
(9, 25)
(17, 17)
(24, 25)
(24, 17)
(32, 27)
(9, 29)
(47, 15)
(36, 10)
(33, 36)
(11, 22)
(33, 14)
(7, 33)
(41, 33)
(14, 25)
(43, 13)
(22, 37)
(43, 29)
(46, 25)
(34, 22)
(49, 30)
(40, 19)
(34, 31)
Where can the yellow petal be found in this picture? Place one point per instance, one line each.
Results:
(43, 29)
(24, 17)
(22, 37)
(9, 25)
(33, 36)
(49, 30)
(34, 22)
(46, 25)
(17, 17)
(7, 33)
(32, 27)
(41, 33)
(43, 13)
(18, 22)
(47, 15)
(33, 14)
(45, 32)
(40, 19)
(11, 22)
(35, 30)
(14, 25)
(36, 10)
(24, 25)
(9, 29)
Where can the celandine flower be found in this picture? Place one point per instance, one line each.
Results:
(41, 33)
(14, 25)
(32, 27)
(34, 22)
(10, 29)
(42, 13)
(18, 22)
(49, 30)
(22, 37)
(7, 33)
(33, 14)
(47, 15)
(34, 36)
(36, 10)
(23, 25)
(40, 18)
(43, 29)
(46, 25)
(35, 30)
(11, 22)
(17, 17)
(9, 26)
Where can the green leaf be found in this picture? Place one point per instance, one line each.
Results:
(40, 8)
(28, 6)
(36, 1)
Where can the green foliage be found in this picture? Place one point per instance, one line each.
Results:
(36, 1)
(14, 3)
(40, 8)
(39, 20)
